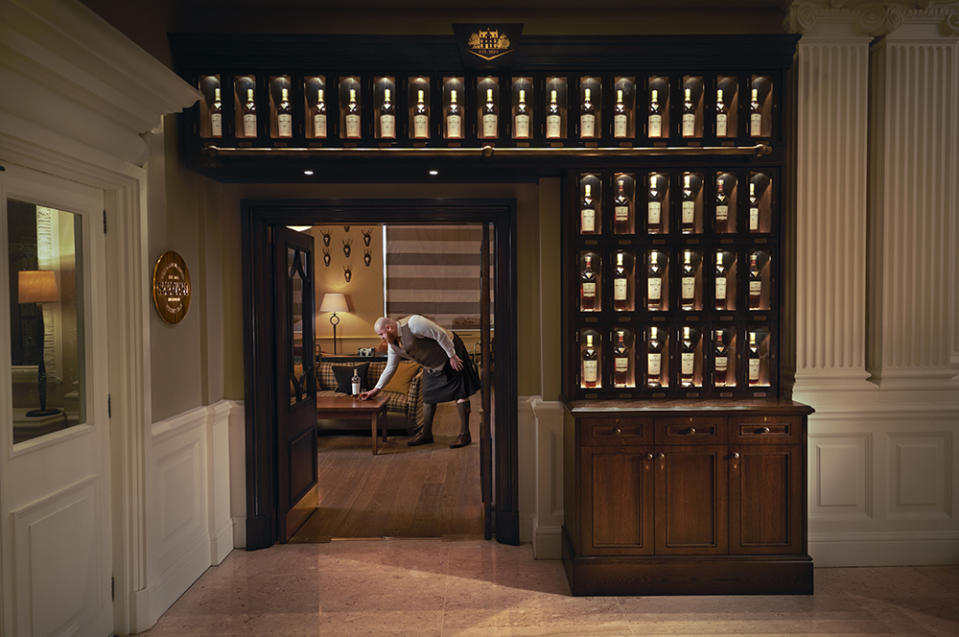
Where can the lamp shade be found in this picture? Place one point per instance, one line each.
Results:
(334, 302)
(38, 286)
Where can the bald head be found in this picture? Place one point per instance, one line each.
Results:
(385, 328)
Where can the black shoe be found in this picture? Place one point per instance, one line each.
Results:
(420, 439)
(461, 441)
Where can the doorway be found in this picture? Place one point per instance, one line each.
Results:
(262, 224)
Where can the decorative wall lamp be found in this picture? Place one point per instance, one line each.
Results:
(334, 302)
(39, 286)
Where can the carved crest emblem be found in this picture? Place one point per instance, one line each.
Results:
(488, 44)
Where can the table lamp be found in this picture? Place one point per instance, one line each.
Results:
(39, 286)
(334, 302)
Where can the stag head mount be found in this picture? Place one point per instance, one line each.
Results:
(326, 257)
(347, 272)
(327, 237)
(346, 247)
(367, 258)
(367, 236)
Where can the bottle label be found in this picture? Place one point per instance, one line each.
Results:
(619, 126)
(653, 364)
(689, 212)
(356, 387)
(755, 124)
(689, 125)
(653, 212)
(754, 369)
(689, 287)
(721, 288)
(249, 125)
(353, 126)
(388, 126)
(753, 219)
(284, 125)
(619, 289)
(590, 370)
(721, 125)
(588, 220)
(319, 125)
(655, 125)
(489, 125)
(722, 212)
(216, 124)
(420, 126)
(454, 126)
(654, 289)
(721, 364)
(621, 364)
(755, 288)
(587, 126)
(589, 290)
(621, 214)
(522, 127)
(553, 127)
(686, 361)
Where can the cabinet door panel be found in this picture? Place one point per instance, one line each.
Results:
(617, 502)
(691, 494)
(765, 499)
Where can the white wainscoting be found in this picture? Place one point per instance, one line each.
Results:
(547, 463)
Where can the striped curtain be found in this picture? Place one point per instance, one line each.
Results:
(435, 271)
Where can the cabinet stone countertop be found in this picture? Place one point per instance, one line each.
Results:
(684, 406)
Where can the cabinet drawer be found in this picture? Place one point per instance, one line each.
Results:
(690, 430)
(758, 430)
(616, 431)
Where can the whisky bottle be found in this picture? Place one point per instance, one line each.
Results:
(720, 279)
(755, 283)
(490, 116)
(654, 206)
(720, 359)
(284, 115)
(249, 115)
(620, 118)
(387, 116)
(755, 115)
(588, 285)
(688, 216)
(620, 209)
(421, 120)
(454, 118)
(590, 364)
(721, 114)
(654, 359)
(587, 212)
(687, 359)
(621, 356)
(352, 117)
(355, 381)
(753, 376)
(216, 114)
(689, 114)
(587, 116)
(655, 115)
(620, 285)
(654, 282)
(521, 120)
(687, 282)
(553, 119)
(753, 208)
(722, 205)
(319, 115)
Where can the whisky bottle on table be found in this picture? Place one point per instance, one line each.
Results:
(721, 114)
(654, 282)
(355, 381)
(521, 119)
(720, 359)
(620, 209)
(587, 116)
(654, 359)
(352, 117)
(688, 216)
(654, 206)
(755, 114)
(421, 118)
(687, 359)
(490, 116)
(454, 118)
(587, 285)
(620, 285)
(590, 364)
(249, 115)
(621, 356)
(284, 115)
(319, 115)
(720, 279)
(587, 211)
(687, 282)
(689, 114)
(655, 115)
(387, 116)
(553, 120)
(753, 208)
(620, 118)
(753, 371)
(722, 205)
(216, 114)
(755, 283)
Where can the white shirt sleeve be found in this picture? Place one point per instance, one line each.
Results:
(392, 362)
(425, 328)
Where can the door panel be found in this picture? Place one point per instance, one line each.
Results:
(765, 499)
(295, 380)
(617, 501)
(691, 500)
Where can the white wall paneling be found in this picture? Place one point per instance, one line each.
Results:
(548, 456)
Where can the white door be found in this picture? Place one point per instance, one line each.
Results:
(55, 525)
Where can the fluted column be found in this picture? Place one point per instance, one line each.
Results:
(912, 257)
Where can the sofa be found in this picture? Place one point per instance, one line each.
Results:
(403, 411)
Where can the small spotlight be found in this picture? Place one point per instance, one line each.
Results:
(308, 173)
(434, 172)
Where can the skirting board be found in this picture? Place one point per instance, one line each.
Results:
(547, 542)
(883, 551)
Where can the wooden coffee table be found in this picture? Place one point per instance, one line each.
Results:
(346, 407)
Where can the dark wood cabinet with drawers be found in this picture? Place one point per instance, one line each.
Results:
(686, 497)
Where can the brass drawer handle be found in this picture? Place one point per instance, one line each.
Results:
(650, 456)
(618, 430)
(764, 430)
(736, 455)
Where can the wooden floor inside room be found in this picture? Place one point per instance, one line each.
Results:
(424, 491)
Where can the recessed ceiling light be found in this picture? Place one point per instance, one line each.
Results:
(434, 172)
(308, 173)
(299, 228)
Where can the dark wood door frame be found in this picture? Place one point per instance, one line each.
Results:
(258, 215)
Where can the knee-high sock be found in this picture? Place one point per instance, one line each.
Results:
(429, 409)
(464, 411)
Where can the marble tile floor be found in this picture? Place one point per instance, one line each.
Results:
(436, 587)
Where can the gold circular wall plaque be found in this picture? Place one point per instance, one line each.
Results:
(171, 287)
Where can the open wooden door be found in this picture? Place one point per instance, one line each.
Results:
(296, 442)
